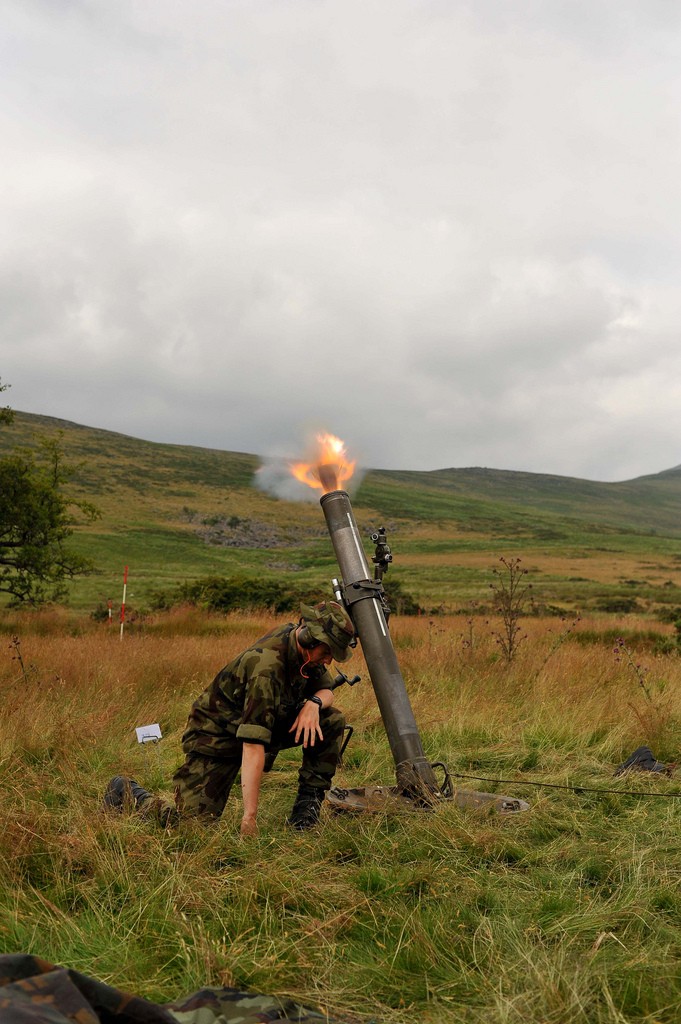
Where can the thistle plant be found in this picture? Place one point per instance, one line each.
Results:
(622, 653)
(655, 716)
(26, 671)
(569, 625)
(468, 642)
(511, 596)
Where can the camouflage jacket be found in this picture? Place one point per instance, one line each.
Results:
(33, 991)
(261, 688)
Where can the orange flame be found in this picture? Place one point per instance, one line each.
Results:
(329, 467)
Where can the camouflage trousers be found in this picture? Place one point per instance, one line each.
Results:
(203, 782)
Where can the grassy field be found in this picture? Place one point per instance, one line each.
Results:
(567, 913)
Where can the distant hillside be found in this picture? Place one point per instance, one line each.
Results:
(647, 503)
(176, 512)
(111, 460)
(115, 461)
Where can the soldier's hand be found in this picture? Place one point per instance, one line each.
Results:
(307, 724)
(249, 826)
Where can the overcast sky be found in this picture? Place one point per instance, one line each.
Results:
(447, 231)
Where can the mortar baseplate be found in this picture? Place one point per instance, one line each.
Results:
(388, 799)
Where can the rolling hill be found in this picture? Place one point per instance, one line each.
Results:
(176, 512)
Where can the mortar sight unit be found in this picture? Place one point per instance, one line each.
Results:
(420, 783)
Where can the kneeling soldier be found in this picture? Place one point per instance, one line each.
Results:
(276, 694)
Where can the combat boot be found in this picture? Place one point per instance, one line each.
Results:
(122, 792)
(307, 808)
(127, 794)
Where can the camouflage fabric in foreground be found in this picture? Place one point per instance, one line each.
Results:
(33, 991)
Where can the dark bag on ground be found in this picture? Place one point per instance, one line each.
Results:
(643, 760)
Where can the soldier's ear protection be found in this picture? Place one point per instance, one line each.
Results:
(305, 638)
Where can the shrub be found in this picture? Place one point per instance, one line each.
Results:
(242, 593)
(618, 605)
(401, 602)
(672, 614)
(234, 593)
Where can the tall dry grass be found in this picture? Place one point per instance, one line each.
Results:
(567, 913)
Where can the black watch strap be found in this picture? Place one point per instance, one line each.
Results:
(316, 700)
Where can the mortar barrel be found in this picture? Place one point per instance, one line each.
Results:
(414, 773)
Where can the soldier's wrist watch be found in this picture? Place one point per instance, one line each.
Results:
(316, 700)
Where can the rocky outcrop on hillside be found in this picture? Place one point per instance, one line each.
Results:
(238, 532)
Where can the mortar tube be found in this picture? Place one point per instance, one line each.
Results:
(415, 776)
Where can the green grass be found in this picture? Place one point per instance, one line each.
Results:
(567, 914)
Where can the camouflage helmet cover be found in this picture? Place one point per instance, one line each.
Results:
(330, 624)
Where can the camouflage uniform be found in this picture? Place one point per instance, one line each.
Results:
(33, 991)
(255, 699)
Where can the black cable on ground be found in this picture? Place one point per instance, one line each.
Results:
(555, 785)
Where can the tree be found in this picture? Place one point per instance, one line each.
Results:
(36, 519)
(6, 414)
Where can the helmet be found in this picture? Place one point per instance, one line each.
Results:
(329, 623)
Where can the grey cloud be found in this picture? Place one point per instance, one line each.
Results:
(449, 233)
(530, 321)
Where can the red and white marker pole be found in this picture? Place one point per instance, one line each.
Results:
(125, 587)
